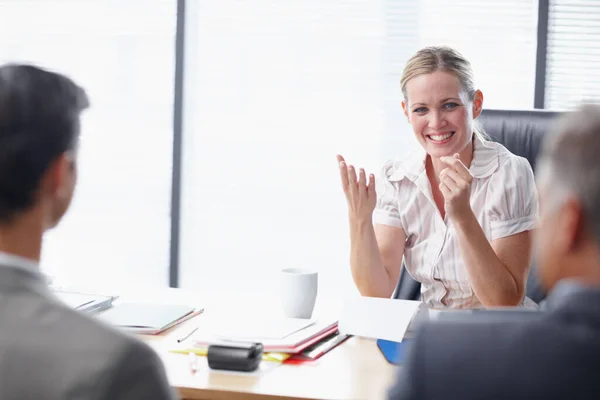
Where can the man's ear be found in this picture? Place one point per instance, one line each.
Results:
(405, 109)
(570, 227)
(477, 104)
(56, 178)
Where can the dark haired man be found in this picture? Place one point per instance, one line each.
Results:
(47, 350)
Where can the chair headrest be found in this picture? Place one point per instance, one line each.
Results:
(521, 132)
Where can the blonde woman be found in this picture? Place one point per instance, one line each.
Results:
(460, 210)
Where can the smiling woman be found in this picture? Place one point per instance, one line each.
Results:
(459, 211)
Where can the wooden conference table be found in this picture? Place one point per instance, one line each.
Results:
(354, 370)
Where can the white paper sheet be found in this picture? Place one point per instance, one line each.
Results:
(377, 318)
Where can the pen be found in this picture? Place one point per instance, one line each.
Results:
(188, 335)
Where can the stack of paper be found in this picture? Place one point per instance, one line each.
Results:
(282, 335)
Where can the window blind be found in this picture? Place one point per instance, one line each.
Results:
(122, 52)
(573, 54)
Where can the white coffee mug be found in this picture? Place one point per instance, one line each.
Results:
(298, 292)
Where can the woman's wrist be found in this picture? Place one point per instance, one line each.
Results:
(361, 221)
(463, 222)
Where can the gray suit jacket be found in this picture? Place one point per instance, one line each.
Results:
(550, 354)
(49, 351)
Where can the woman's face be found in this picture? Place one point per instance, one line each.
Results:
(440, 113)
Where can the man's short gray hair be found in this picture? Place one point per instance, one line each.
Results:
(571, 155)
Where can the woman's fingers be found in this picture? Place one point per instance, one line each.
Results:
(355, 185)
(457, 179)
(362, 182)
(446, 192)
(455, 163)
(352, 183)
(371, 186)
(344, 175)
(450, 183)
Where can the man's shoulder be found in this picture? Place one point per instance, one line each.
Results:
(74, 335)
(539, 353)
(87, 326)
(130, 368)
(476, 341)
(86, 355)
(485, 323)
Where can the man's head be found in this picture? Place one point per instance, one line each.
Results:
(39, 130)
(568, 234)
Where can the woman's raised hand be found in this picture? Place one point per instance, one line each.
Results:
(360, 194)
(455, 185)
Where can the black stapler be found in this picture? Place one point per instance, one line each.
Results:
(235, 356)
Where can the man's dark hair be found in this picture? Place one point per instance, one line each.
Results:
(39, 121)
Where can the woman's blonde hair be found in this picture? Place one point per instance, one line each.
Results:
(443, 58)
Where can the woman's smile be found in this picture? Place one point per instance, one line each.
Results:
(440, 138)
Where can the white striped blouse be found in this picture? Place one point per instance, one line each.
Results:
(503, 198)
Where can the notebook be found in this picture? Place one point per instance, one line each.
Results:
(147, 318)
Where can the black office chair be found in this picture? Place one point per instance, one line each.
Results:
(521, 132)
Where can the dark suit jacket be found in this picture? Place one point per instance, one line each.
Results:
(550, 354)
(49, 351)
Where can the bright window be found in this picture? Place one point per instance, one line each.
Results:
(122, 53)
(274, 89)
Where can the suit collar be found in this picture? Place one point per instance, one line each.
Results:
(576, 301)
(18, 261)
(484, 163)
(17, 273)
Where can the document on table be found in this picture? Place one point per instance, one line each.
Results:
(377, 318)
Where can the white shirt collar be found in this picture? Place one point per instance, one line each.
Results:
(484, 163)
(11, 260)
